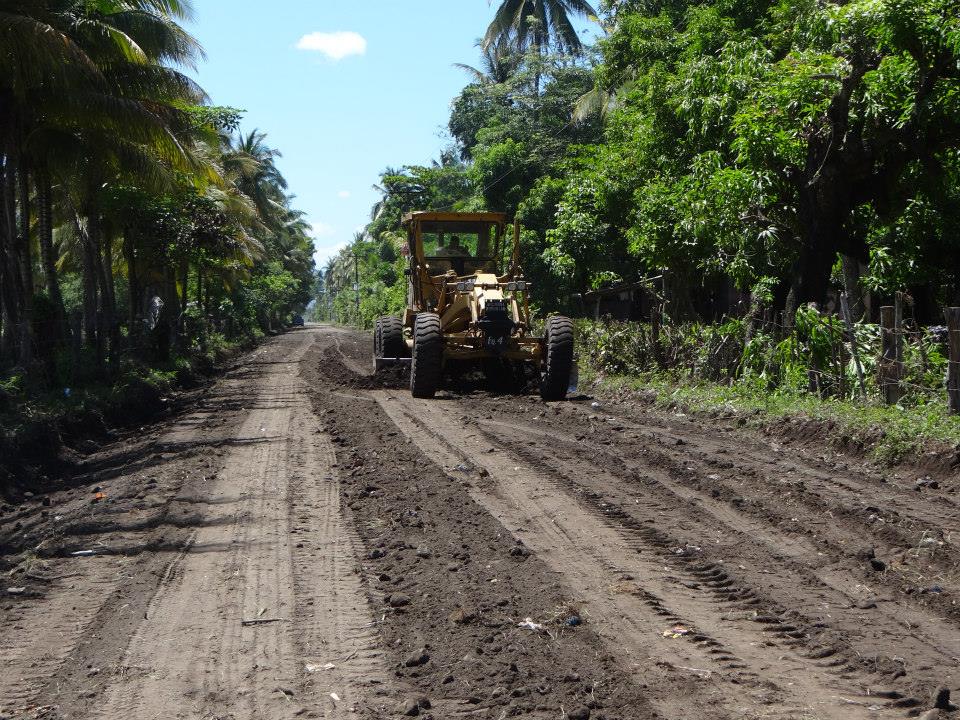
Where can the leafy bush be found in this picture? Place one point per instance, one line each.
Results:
(813, 357)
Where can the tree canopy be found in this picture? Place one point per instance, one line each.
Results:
(762, 144)
(135, 216)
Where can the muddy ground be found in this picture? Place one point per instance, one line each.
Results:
(309, 541)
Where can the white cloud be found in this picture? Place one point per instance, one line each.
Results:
(335, 45)
(344, 194)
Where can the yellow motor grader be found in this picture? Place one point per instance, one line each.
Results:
(468, 303)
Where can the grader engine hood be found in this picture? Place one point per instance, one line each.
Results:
(480, 302)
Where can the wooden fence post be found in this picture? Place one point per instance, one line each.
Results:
(888, 361)
(898, 336)
(845, 309)
(656, 317)
(953, 368)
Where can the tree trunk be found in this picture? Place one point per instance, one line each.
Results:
(790, 305)
(9, 309)
(48, 256)
(26, 267)
(133, 281)
(26, 258)
(206, 298)
(89, 284)
(109, 295)
(851, 285)
(172, 309)
(184, 297)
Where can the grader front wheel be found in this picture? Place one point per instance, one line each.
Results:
(391, 337)
(558, 358)
(427, 362)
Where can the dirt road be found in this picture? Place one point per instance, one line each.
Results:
(309, 541)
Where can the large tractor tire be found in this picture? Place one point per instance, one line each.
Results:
(427, 362)
(391, 337)
(558, 358)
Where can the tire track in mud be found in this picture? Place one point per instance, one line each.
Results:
(775, 593)
(232, 629)
(837, 486)
(335, 630)
(840, 534)
(465, 585)
(926, 556)
(804, 558)
(53, 645)
(602, 550)
(233, 513)
(861, 640)
(636, 615)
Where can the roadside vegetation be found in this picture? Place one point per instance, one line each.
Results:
(742, 164)
(143, 236)
(700, 368)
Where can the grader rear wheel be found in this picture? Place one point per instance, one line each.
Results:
(558, 358)
(427, 362)
(391, 337)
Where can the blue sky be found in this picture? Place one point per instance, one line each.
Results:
(344, 88)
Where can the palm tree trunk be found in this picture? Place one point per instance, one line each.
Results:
(133, 283)
(9, 310)
(171, 309)
(184, 296)
(108, 293)
(8, 319)
(26, 256)
(14, 256)
(206, 299)
(103, 318)
(89, 285)
(26, 266)
(47, 254)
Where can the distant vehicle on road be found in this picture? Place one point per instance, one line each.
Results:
(298, 320)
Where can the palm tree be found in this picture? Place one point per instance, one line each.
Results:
(497, 64)
(85, 95)
(540, 23)
(258, 176)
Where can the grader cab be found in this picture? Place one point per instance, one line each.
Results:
(468, 303)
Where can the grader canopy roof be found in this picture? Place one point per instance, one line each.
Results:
(432, 221)
(466, 243)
